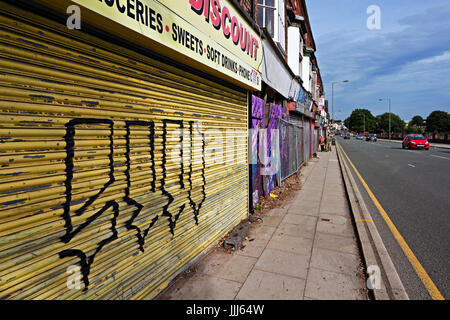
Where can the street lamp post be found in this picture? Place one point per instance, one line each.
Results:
(332, 97)
(389, 99)
(364, 119)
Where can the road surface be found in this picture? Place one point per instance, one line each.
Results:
(413, 187)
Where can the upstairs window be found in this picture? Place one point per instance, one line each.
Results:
(266, 10)
(271, 15)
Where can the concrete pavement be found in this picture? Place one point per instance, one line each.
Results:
(304, 250)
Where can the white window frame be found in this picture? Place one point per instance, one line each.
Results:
(279, 22)
(300, 56)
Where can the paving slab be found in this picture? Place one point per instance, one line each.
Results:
(203, 287)
(251, 249)
(257, 239)
(335, 191)
(331, 187)
(272, 221)
(284, 263)
(308, 197)
(335, 200)
(334, 173)
(305, 230)
(227, 266)
(335, 224)
(336, 243)
(314, 183)
(261, 235)
(330, 204)
(284, 242)
(335, 261)
(276, 212)
(326, 285)
(305, 204)
(262, 285)
(313, 189)
(304, 211)
(338, 212)
(308, 222)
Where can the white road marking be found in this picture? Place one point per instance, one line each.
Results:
(440, 157)
(411, 165)
(415, 152)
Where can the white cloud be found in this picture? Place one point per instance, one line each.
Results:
(443, 57)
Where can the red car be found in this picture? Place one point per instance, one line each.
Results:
(415, 141)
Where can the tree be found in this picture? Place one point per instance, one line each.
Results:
(361, 120)
(416, 121)
(346, 122)
(397, 124)
(412, 129)
(438, 121)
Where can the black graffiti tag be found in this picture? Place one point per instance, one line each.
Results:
(196, 208)
(141, 235)
(85, 261)
(166, 213)
(129, 224)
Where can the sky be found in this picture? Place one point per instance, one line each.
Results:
(407, 59)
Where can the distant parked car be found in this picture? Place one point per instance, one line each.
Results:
(347, 136)
(415, 141)
(359, 137)
(371, 137)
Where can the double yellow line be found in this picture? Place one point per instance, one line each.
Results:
(423, 275)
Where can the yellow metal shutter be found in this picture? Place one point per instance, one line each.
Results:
(106, 165)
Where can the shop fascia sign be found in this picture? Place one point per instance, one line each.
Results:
(212, 32)
(303, 102)
(322, 102)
